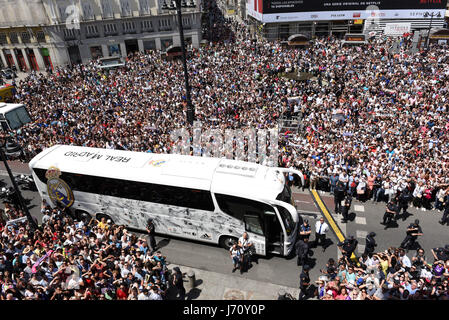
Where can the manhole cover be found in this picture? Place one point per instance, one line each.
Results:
(234, 295)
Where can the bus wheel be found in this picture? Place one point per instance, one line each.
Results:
(83, 215)
(227, 242)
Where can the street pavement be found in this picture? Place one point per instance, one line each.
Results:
(213, 265)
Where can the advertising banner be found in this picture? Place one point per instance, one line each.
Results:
(268, 11)
(282, 6)
(397, 29)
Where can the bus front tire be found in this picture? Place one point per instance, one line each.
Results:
(227, 242)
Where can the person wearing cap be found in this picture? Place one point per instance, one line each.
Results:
(348, 246)
(302, 250)
(413, 232)
(304, 230)
(339, 196)
(304, 282)
(370, 243)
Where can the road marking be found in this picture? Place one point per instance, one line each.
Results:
(330, 219)
(359, 208)
(360, 220)
(300, 201)
(361, 248)
(361, 234)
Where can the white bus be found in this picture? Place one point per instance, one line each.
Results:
(207, 199)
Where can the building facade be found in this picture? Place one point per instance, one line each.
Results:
(37, 34)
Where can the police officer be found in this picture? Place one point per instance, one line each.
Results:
(403, 201)
(390, 213)
(304, 282)
(370, 243)
(305, 230)
(446, 211)
(151, 232)
(346, 207)
(302, 249)
(413, 231)
(339, 196)
(348, 246)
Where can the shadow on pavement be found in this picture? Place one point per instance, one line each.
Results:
(193, 294)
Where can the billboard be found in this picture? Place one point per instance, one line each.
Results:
(282, 6)
(314, 10)
(397, 29)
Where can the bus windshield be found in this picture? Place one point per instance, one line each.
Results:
(286, 195)
(287, 220)
(17, 118)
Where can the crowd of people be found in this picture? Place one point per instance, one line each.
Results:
(73, 259)
(374, 118)
(371, 120)
(388, 275)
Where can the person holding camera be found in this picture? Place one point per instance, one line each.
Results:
(390, 213)
(370, 243)
(151, 230)
(247, 247)
(339, 196)
(345, 208)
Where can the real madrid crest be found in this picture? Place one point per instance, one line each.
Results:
(58, 190)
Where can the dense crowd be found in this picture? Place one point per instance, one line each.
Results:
(73, 259)
(375, 118)
(388, 275)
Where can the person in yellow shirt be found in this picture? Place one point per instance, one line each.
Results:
(103, 224)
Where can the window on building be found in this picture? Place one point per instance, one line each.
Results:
(13, 37)
(26, 37)
(40, 36)
(88, 13)
(129, 27)
(164, 24)
(144, 6)
(187, 22)
(69, 34)
(125, 8)
(147, 26)
(3, 39)
(92, 31)
(106, 9)
(110, 29)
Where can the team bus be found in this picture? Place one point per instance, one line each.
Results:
(207, 199)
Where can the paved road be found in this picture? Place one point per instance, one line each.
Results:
(367, 217)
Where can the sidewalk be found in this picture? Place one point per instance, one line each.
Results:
(217, 286)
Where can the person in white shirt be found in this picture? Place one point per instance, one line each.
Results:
(321, 229)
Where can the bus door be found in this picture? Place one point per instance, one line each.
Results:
(254, 227)
(274, 234)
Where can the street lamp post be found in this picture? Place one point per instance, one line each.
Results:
(16, 189)
(178, 5)
(426, 15)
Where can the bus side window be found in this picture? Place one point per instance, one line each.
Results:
(239, 207)
(253, 224)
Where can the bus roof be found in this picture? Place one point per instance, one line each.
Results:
(217, 175)
(6, 107)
